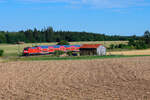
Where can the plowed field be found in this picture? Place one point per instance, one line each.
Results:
(108, 79)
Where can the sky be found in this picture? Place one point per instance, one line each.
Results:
(111, 17)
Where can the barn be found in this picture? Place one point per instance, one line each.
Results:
(92, 49)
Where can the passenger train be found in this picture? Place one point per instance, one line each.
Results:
(49, 49)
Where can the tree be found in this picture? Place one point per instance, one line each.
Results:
(131, 42)
(63, 42)
(12, 37)
(147, 37)
(29, 35)
(2, 38)
(49, 34)
(1, 52)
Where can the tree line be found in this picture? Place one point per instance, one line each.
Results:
(49, 35)
(142, 43)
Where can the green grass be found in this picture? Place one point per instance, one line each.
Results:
(38, 58)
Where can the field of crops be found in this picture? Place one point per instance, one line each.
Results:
(130, 52)
(101, 79)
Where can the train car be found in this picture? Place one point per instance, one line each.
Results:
(49, 49)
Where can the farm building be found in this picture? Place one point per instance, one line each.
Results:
(92, 49)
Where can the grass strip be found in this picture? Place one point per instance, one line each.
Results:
(36, 58)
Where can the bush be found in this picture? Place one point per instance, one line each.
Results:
(69, 53)
(1, 52)
(140, 45)
(112, 46)
(122, 46)
(129, 47)
(58, 53)
(116, 46)
(63, 42)
(131, 42)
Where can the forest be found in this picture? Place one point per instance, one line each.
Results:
(49, 35)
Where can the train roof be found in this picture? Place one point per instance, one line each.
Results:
(56, 46)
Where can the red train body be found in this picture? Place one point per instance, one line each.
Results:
(49, 49)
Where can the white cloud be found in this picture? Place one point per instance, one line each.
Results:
(99, 3)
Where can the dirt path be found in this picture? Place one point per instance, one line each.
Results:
(108, 79)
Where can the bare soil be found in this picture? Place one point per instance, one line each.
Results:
(108, 79)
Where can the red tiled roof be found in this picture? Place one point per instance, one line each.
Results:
(90, 45)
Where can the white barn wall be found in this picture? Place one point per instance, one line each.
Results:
(101, 50)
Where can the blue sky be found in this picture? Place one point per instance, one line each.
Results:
(113, 17)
